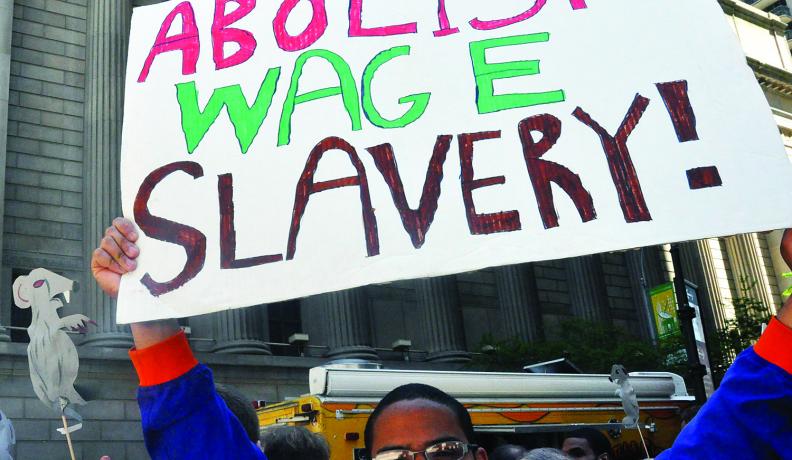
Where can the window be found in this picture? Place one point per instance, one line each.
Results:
(284, 320)
(20, 317)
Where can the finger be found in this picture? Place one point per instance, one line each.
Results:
(111, 247)
(129, 248)
(126, 227)
(102, 259)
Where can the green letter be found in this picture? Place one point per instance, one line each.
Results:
(347, 90)
(247, 120)
(487, 73)
(418, 101)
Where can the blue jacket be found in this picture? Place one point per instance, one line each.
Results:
(750, 415)
(183, 417)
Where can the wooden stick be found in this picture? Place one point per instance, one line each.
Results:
(646, 449)
(63, 404)
(68, 436)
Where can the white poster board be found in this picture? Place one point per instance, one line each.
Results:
(284, 149)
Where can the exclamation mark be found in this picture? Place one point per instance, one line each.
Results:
(675, 96)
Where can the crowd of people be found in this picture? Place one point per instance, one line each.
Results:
(184, 415)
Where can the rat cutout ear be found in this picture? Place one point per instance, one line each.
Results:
(22, 294)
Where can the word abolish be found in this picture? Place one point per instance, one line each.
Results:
(188, 42)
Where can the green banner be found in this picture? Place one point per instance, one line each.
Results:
(664, 309)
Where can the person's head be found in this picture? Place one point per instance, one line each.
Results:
(688, 414)
(292, 442)
(242, 408)
(587, 444)
(546, 453)
(418, 418)
(508, 452)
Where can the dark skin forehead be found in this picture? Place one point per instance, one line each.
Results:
(415, 425)
(578, 448)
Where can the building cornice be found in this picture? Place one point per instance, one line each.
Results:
(88, 354)
(772, 78)
(753, 15)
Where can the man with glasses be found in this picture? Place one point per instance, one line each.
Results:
(418, 421)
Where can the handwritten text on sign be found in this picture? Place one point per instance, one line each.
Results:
(280, 149)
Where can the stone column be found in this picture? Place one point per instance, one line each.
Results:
(588, 295)
(108, 36)
(441, 317)
(346, 318)
(521, 312)
(747, 264)
(242, 331)
(699, 267)
(6, 20)
(643, 268)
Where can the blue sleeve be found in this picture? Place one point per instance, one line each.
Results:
(748, 417)
(186, 419)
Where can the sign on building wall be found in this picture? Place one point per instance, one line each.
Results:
(664, 310)
(275, 150)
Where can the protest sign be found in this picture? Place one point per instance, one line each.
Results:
(281, 149)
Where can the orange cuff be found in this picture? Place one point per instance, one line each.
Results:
(163, 362)
(775, 345)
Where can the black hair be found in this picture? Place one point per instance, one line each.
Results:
(242, 408)
(597, 441)
(414, 391)
(689, 413)
(294, 443)
(508, 452)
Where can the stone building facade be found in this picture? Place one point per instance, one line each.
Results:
(61, 99)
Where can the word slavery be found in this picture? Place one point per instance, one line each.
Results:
(417, 221)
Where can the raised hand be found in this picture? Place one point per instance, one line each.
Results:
(115, 256)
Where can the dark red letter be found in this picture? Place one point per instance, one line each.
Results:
(416, 221)
(620, 163)
(309, 36)
(222, 34)
(228, 260)
(482, 224)
(307, 187)
(187, 41)
(192, 240)
(675, 96)
(545, 172)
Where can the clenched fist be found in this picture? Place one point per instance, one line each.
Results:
(115, 255)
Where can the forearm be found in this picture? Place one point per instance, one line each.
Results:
(182, 415)
(153, 332)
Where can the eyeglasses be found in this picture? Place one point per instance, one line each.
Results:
(450, 450)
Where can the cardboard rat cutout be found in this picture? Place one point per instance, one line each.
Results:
(52, 355)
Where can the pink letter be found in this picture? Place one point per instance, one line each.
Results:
(222, 34)
(356, 28)
(531, 12)
(445, 25)
(309, 36)
(187, 41)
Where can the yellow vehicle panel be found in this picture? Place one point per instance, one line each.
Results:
(343, 423)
